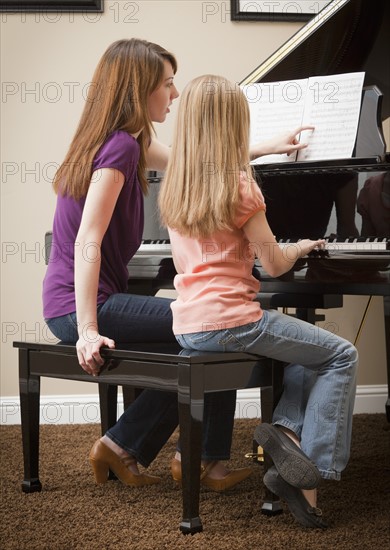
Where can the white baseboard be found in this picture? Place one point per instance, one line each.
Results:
(369, 400)
(84, 409)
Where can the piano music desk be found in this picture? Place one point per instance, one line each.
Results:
(158, 366)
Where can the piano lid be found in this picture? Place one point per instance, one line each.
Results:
(346, 36)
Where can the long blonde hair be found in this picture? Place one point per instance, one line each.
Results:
(200, 190)
(128, 72)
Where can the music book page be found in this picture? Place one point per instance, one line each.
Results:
(330, 103)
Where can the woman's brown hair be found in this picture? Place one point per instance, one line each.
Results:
(128, 72)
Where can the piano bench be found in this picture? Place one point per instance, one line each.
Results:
(164, 367)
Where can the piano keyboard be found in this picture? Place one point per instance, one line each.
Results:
(351, 245)
(158, 247)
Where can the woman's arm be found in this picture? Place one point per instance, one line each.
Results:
(103, 193)
(284, 143)
(273, 259)
(157, 156)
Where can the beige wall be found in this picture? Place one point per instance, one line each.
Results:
(46, 64)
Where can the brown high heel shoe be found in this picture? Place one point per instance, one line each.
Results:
(230, 480)
(103, 459)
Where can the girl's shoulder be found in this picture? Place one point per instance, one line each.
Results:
(249, 188)
(251, 200)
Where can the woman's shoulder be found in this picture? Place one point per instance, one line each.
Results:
(120, 150)
(121, 139)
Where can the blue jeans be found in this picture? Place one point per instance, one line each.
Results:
(146, 425)
(319, 382)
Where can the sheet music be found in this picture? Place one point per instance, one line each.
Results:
(275, 108)
(333, 107)
(330, 103)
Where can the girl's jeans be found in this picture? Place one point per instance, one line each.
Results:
(147, 424)
(319, 383)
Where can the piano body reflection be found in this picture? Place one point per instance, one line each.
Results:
(324, 198)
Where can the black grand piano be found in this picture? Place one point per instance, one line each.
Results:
(324, 198)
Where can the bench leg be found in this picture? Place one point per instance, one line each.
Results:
(29, 390)
(271, 505)
(269, 399)
(130, 394)
(108, 401)
(190, 418)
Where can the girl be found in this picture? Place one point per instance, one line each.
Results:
(215, 214)
(98, 225)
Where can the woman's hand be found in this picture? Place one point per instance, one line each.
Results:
(88, 351)
(284, 143)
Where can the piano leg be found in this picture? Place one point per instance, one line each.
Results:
(310, 316)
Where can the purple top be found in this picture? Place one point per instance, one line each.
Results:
(120, 242)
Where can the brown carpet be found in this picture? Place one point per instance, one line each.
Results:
(73, 513)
